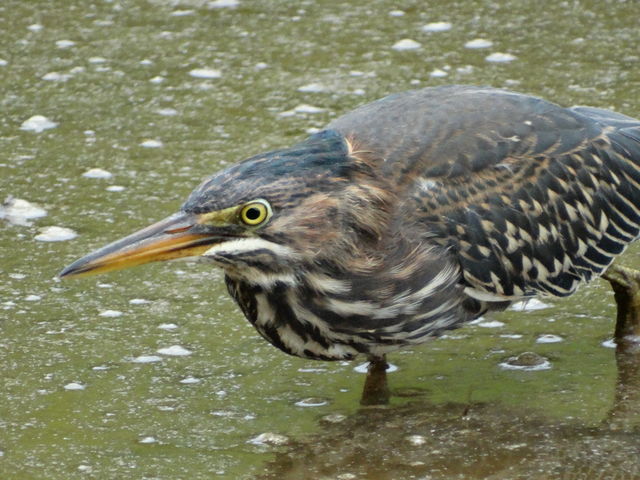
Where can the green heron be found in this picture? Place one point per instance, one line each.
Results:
(406, 218)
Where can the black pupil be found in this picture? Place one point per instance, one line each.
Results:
(252, 213)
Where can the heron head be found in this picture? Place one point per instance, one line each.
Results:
(314, 202)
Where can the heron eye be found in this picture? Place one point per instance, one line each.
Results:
(255, 213)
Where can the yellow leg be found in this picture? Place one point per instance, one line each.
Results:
(626, 288)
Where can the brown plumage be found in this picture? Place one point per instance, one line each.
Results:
(530, 197)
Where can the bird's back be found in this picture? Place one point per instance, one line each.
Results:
(528, 197)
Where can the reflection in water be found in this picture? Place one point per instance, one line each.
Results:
(474, 441)
(625, 413)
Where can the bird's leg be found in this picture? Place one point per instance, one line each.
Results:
(376, 390)
(626, 288)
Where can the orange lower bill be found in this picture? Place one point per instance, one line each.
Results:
(165, 240)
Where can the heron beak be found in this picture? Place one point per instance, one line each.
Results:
(168, 239)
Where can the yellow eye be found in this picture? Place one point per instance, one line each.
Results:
(255, 213)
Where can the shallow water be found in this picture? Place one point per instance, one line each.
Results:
(153, 372)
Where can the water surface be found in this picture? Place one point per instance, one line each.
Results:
(160, 94)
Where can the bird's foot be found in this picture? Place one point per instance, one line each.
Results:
(626, 288)
(376, 389)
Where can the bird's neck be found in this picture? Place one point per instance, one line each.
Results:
(332, 313)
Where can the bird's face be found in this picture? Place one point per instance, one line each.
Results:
(270, 213)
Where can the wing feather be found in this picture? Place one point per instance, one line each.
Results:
(530, 197)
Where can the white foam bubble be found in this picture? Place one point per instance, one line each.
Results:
(416, 440)
(499, 57)
(65, 43)
(406, 44)
(182, 13)
(451, 336)
(19, 211)
(491, 324)
(363, 368)
(150, 143)
(549, 338)
(115, 188)
(74, 386)
(527, 361)
(303, 108)
(55, 234)
(139, 301)
(167, 112)
(190, 380)
(38, 124)
(174, 351)
(223, 4)
(546, 365)
(312, 88)
(56, 77)
(97, 173)
(147, 359)
(478, 43)
(437, 73)
(207, 73)
(312, 370)
(611, 343)
(437, 27)
(168, 326)
(311, 402)
(111, 313)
